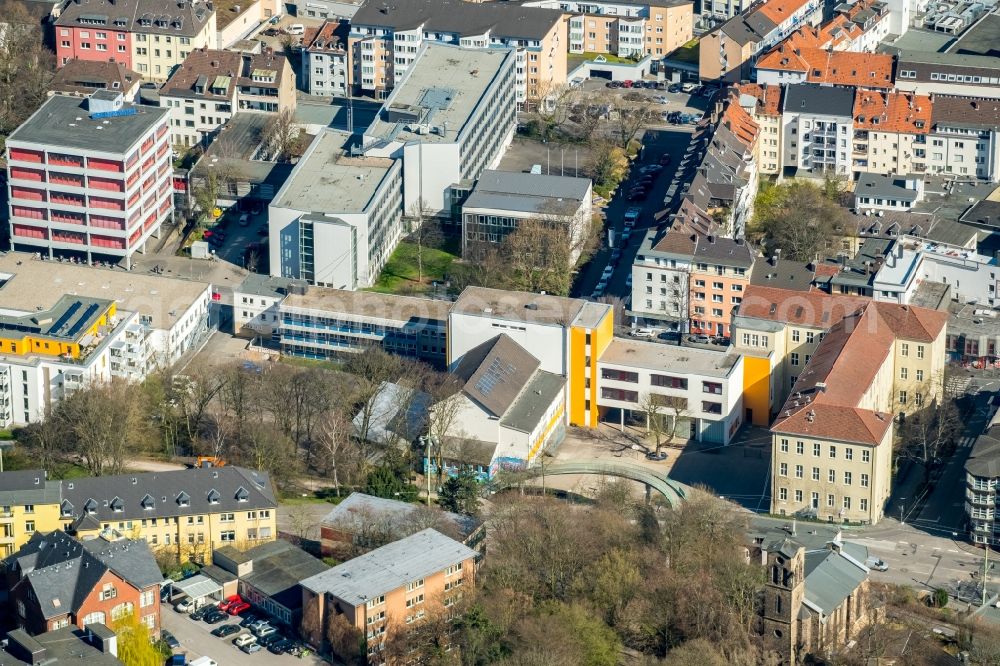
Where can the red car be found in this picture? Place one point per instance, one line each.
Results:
(230, 601)
(237, 608)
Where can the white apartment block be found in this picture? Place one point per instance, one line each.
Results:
(704, 387)
(971, 277)
(963, 139)
(325, 68)
(201, 96)
(89, 178)
(256, 304)
(817, 128)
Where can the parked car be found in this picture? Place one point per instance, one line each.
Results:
(228, 601)
(700, 339)
(688, 87)
(258, 624)
(628, 281)
(627, 84)
(178, 660)
(664, 159)
(215, 616)
(250, 648)
(169, 639)
(632, 216)
(244, 639)
(186, 605)
(876, 564)
(637, 195)
(249, 619)
(280, 647)
(674, 88)
(644, 333)
(616, 254)
(226, 630)
(202, 611)
(236, 609)
(271, 639)
(264, 631)
(295, 29)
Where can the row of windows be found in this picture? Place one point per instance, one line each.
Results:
(831, 500)
(817, 450)
(831, 475)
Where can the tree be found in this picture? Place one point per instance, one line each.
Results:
(940, 597)
(281, 135)
(663, 413)
(26, 67)
(798, 219)
(345, 640)
(460, 493)
(609, 165)
(426, 234)
(45, 440)
(629, 115)
(384, 481)
(373, 369)
(135, 647)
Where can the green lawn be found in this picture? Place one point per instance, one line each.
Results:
(400, 275)
(686, 53)
(609, 57)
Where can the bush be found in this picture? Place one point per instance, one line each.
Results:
(940, 597)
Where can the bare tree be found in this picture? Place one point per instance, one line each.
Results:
(374, 369)
(663, 414)
(281, 135)
(26, 66)
(629, 116)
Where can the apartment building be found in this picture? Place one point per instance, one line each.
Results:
(210, 86)
(963, 140)
(625, 29)
(931, 73)
(449, 118)
(85, 77)
(875, 192)
(780, 331)
(890, 132)
(713, 12)
(387, 589)
(237, 22)
(201, 96)
(507, 411)
(187, 513)
(141, 34)
(790, 64)
(982, 480)
(384, 41)
(701, 390)
(566, 335)
(727, 53)
(501, 200)
(763, 103)
(326, 71)
(817, 126)
(55, 581)
(89, 178)
(338, 216)
(29, 504)
(321, 323)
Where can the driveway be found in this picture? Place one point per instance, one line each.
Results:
(196, 641)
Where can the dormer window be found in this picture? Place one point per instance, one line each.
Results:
(183, 499)
(242, 495)
(148, 503)
(117, 505)
(213, 496)
(66, 508)
(90, 506)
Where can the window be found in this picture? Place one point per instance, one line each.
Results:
(831, 476)
(920, 351)
(414, 585)
(904, 373)
(920, 375)
(810, 336)
(798, 496)
(816, 449)
(833, 451)
(228, 535)
(866, 455)
(795, 335)
(864, 480)
(830, 500)
(29, 526)
(29, 508)
(377, 601)
(798, 471)
(109, 591)
(376, 617)
(815, 475)
(847, 503)
(226, 517)
(413, 601)
(795, 358)
(904, 349)
(902, 397)
(784, 445)
(800, 447)
(847, 478)
(849, 453)
(783, 494)
(783, 469)
(146, 598)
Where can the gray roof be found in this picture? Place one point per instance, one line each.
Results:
(62, 646)
(819, 100)
(390, 567)
(396, 412)
(528, 193)
(519, 306)
(962, 60)
(184, 20)
(65, 122)
(165, 491)
(459, 17)
(831, 577)
(885, 187)
(784, 274)
(495, 372)
(27, 486)
(345, 514)
(984, 461)
(63, 571)
(268, 285)
(278, 568)
(535, 399)
(984, 213)
(722, 250)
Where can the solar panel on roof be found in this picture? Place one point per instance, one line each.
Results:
(496, 373)
(88, 313)
(70, 311)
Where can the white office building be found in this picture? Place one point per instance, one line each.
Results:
(817, 129)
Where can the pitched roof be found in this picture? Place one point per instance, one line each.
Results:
(390, 567)
(894, 111)
(462, 18)
(817, 99)
(780, 11)
(330, 37)
(530, 193)
(970, 112)
(984, 461)
(205, 73)
(145, 16)
(842, 68)
(346, 515)
(912, 323)
(832, 575)
(784, 274)
(278, 569)
(85, 76)
(495, 372)
(814, 309)
(63, 571)
(768, 97)
(206, 490)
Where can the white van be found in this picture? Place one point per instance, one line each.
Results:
(203, 661)
(296, 29)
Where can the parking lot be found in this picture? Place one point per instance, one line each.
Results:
(197, 641)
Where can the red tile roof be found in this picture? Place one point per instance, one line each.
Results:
(892, 112)
(913, 323)
(815, 309)
(768, 97)
(867, 70)
(780, 11)
(740, 123)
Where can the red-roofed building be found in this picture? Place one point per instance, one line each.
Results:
(763, 103)
(890, 132)
(793, 64)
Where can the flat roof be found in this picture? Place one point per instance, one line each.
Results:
(268, 285)
(390, 567)
(368, 304)
(40, 284)
(520, 306)
(441, 90)
(529, 193)
(533, 402)
(65, 122)
(669, 358)
(68, 320)
(329, 180)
